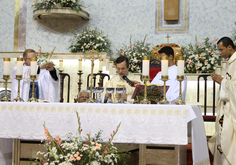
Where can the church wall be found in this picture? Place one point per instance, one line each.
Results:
(118, 19)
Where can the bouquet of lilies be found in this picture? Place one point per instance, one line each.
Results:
(134, 52)
(78, 150)
(44, 57)
(201, 58)
(88, 40)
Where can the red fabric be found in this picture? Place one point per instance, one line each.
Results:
(153, 72)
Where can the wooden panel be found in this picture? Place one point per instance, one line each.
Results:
(171, 10)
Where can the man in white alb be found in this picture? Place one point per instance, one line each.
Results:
(122, 66)
(223, 143)
(47, 86)
(172, 94)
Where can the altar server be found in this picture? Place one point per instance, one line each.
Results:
(172, 95)
(47, 86)
(122, 66)
(223, 143)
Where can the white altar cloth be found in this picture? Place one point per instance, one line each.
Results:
(149, 124)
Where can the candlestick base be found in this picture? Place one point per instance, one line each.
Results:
(180, 101)
(33, 99)
(164, 100)
(145, 100)
(18, 98)
(5, 98)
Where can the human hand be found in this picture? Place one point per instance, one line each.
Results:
(49, 66)
(135, 83)
(216, 77)
(108, 95)
(118, 96)
(125, 96)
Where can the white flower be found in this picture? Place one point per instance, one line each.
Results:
(208, 66)
(94, 163)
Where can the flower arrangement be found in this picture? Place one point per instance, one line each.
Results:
(201, 59)
(44, 57)
(76, 150)
(233, 37)
(134, 52)
(48, 4)
(88, 40)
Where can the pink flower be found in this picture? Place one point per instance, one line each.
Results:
(71, 158)
(214, 40)
(46, 132)
(122, 54)
(206, 63)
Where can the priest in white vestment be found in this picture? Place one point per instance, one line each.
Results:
(47, 83)
(172, 95)
(223, 143)
(122, 66)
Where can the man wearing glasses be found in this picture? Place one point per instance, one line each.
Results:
(47, 85)
(122, 66)
(83, 96)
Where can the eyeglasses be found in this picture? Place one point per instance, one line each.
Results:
(27, 58)
(84, 97)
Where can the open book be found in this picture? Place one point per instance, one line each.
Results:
(154, 93)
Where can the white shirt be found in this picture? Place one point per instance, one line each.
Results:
(172, 94)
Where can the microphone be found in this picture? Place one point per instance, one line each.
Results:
(126, 78)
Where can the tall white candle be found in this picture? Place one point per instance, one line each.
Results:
(61, 65)
(164, 65)
(80, 64)
(145, 66)
(180, 71)
(19, 66)
(100, 64)
(6, 66)
(33, 66)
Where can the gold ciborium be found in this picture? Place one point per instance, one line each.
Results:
(18, 98)
(6, 78)
(33, 99)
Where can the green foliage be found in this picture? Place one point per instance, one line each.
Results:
(201, 58)
(49, 4)
(88, 40)
(134, 52)
(78, 150)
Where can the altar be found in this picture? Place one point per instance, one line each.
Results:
(140, 124)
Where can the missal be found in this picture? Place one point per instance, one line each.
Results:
(154, 93)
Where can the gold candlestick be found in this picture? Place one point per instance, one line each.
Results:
(180, 101)
(18, 98)
(164, 101)
(5, 98)
(80, 80)
(145, 100)
(33, 99)
(92, 57)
